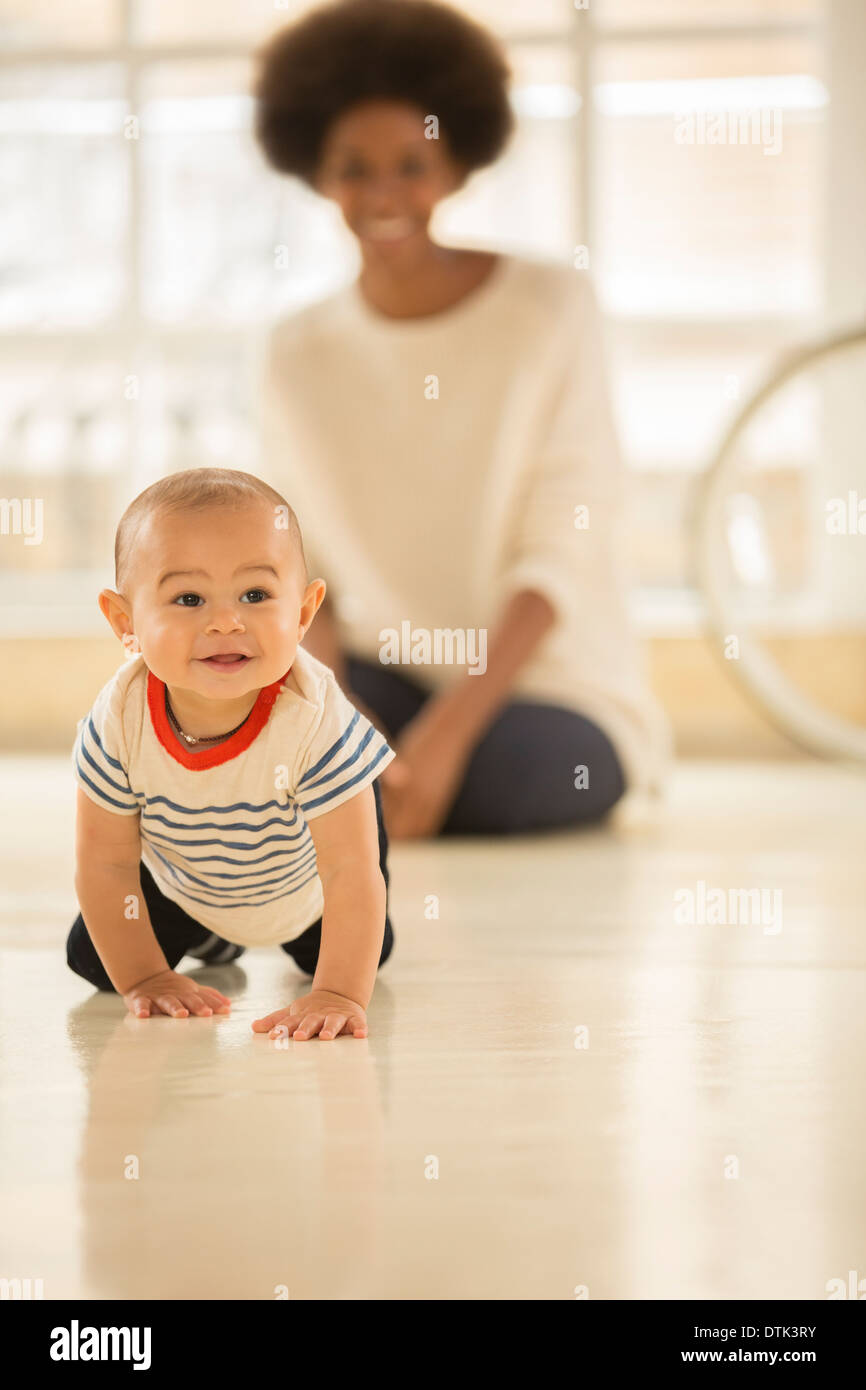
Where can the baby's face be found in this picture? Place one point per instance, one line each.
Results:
(219, 602)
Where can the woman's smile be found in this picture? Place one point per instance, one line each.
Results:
(386, 229)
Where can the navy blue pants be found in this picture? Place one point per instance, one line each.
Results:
(180, 935)
(521, 774)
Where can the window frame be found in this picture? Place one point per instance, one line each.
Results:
(131, 335)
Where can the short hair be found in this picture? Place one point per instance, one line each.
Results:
(197, 489)
(415, 51)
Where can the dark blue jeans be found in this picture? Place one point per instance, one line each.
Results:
(521, 774)
(178, 933)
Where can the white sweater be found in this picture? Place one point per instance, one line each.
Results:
(437, 466)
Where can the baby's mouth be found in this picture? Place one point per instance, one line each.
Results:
(226, 660)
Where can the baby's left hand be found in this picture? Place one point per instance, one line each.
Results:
(320, 1012)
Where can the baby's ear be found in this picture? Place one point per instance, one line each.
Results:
(314, 597)
(116, 612)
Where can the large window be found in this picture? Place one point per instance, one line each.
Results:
(146, 245)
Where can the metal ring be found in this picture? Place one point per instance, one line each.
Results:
(764, 683)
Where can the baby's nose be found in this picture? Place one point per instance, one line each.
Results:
(226, 618)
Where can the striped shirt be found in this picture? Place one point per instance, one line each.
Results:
(225, 833)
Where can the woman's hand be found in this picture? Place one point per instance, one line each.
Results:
(435, 748)
(420, 784)
(398, 797)
(416, 786)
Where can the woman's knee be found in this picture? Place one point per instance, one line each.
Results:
(538, 767)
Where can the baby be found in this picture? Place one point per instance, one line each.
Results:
(227, 789)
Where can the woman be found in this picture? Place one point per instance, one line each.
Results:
(443, 429)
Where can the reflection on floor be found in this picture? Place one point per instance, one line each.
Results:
(567, 1089)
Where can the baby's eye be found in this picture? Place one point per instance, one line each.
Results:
(257, 595)
(181, 600)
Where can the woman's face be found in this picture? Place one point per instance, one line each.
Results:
(386, 175)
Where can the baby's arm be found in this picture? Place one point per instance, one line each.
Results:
(353, 925)
(353, 920)
(108, 887)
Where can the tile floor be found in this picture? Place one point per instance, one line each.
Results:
(564, 1089)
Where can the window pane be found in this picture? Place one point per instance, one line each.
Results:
(789, 508)
(528, 200)
(812, 429)
(213, 21)
(706, 169)
(166, 21)
(665, 13)
(65, 428)
(225, 239)
(63, 156)
(515, 17)
(196, 407)
(526, 203)
(674, 394)
(82, 24)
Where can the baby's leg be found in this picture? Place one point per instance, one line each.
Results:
(304, 950)
(178, 934)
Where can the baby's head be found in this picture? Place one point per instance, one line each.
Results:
(212, 582)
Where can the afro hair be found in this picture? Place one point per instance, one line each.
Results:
(414, 51)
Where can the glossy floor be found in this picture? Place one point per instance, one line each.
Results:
(566, 1087)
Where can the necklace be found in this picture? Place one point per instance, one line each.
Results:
(205, 738)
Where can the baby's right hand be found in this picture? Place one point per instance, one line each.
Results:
(176, 995)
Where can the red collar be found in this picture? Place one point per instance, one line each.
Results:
(221, 752)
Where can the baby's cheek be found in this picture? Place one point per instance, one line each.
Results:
(283, 628)
(163, 640)
(167, 633)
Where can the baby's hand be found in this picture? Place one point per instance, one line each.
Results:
(320, 1012)
(177, 995)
